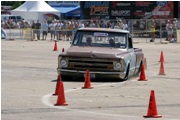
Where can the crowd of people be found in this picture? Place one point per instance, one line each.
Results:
(171, 28)
(11, 24)
(64, 29)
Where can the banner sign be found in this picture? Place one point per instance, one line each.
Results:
(142, 9)
(120, 9)
(95, 9)
(64, 3)
(128, 9)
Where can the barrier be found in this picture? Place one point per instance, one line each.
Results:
(12, 34)
(140, 28)
(64, 34)
(27, 33)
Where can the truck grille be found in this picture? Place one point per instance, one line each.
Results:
(90, 64)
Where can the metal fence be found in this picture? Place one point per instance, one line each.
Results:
(31, 34)
(139, 28)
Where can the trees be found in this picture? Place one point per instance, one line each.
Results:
(7, 3)
(14, 4)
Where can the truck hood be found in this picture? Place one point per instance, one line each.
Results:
(94, 52)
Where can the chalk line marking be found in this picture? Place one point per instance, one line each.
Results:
(46, 100)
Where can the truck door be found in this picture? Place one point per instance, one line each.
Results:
(132, 56)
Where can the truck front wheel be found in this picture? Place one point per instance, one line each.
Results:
(127, 73)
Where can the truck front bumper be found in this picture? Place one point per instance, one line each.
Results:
(93, 74)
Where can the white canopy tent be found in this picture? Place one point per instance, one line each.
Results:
(35, 10)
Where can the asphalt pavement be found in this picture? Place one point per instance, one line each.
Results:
(28, 80)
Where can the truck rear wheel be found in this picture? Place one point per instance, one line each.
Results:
(139, 70)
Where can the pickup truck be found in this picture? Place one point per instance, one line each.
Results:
(106, 53)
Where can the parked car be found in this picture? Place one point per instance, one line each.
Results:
(106, 53)
(11, 17)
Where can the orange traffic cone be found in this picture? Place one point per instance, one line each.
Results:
(55, 46)
(161, 70)
(142, 74)
(87, 82)
(152, 110)
(161, 57)
(61, 97)
(57, 84)
(145, 64)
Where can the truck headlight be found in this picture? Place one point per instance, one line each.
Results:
(63, 63)
(117, 66)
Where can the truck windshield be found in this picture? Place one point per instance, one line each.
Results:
(100, 39)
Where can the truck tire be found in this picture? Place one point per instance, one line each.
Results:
(139, 70)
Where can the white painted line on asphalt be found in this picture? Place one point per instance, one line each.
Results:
(46, 101)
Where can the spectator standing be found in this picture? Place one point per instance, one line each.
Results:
(109, 24)
(76, 25)
(169, 29)
(97, 24)
(174, 32)
(120, 24)
(64, 30)
(142, 25)
(81, 24)
(22, 26)
(70, 27)
(13, 24)
(152, 30)
(178, 25)
(56, 24)
(38, 29)
(92, 24)
(44, 30)
(59, 28)
(52, 29)
(23, 23)
(103, 24)
(116, 26)
(130, 25)
(125, 26)
(175, 19)
(86, 23)
(33, 25)
(112, 24)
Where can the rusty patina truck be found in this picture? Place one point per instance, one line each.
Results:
(106, 53)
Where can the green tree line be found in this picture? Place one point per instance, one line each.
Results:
(14, 4)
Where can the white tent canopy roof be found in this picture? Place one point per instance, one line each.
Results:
(34, 10)
(35, 6)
